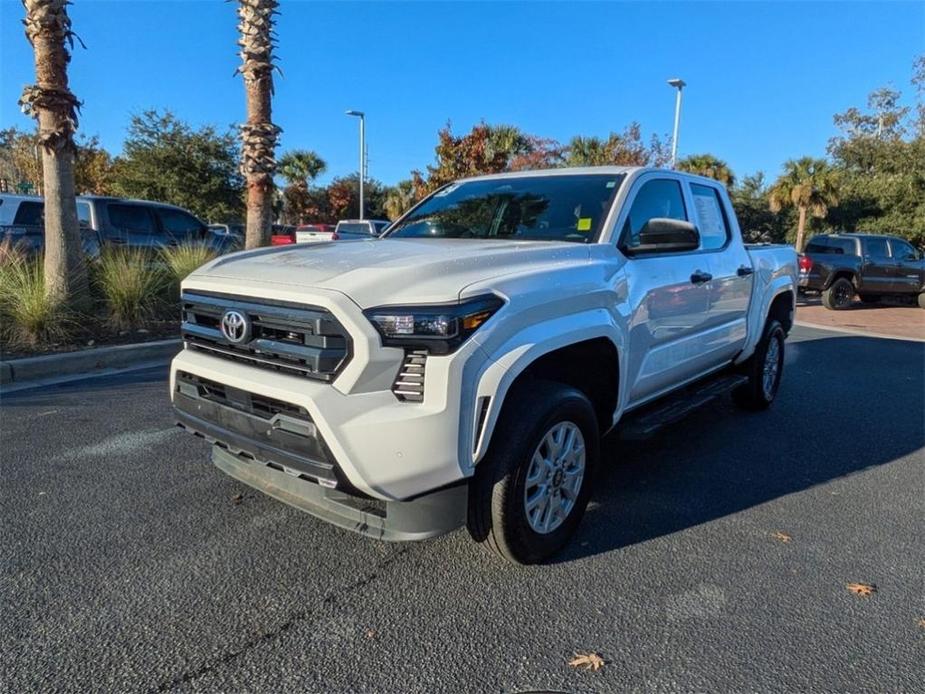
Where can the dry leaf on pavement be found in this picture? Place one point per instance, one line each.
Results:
(588, 661)
(237, 498)
(862, 589)
(783, 537)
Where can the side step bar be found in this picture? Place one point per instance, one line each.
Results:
(643, 423)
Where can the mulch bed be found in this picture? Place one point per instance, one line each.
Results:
(93, 337)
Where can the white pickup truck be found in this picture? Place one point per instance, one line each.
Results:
(461, 369)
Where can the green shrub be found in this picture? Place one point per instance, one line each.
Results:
(131, 285)
(185, 258)
(27, 316)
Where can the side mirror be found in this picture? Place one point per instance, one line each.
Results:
(663, 235)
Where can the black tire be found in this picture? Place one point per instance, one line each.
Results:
(497, 495)
(754, 395)
(869, 298)
(839, 294)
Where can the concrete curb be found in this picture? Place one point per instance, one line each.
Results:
(86, 361)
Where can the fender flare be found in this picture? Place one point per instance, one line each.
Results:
(506, 363)
(777, 287)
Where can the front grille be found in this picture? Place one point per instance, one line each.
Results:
(409, 384)
(291, 338)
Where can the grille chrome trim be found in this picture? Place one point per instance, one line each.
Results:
(298, 339)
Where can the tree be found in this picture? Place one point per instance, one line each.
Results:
(808, 185)
(298, 167)
(258, 135)
(93, 168)
(709, 166)
(619, 149)
(485, 149)
(165, 159)
(52, 104)
(757, 222)
(343, 197)
(399, 199)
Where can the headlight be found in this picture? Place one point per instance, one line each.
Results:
(439, 329)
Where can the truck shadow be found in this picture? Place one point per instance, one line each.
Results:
(846, 404)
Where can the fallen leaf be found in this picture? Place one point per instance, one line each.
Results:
(922, 622)
(588, 661)
(370, 633)
(783, 537)
(237, 498)
(862, 589)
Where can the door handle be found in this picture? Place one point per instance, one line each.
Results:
(745, 271)
(700, 277)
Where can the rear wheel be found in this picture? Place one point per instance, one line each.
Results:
(764, 370)
(839, 294)
(530, 491)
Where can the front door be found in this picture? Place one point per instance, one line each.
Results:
(669, 294)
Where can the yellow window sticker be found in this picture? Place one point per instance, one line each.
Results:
(584, 224)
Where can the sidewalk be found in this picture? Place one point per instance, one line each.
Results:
(887, 319)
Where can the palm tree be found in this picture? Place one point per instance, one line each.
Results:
(258, 135)
(709, 166)
(51, 102)
(301, 166)
(810, 185)
(399, 199)
(298, 167)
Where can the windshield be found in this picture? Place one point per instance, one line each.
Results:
(566, 207)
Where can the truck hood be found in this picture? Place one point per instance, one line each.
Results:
(392, 271)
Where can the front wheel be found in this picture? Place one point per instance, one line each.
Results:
(530, 491)
(764, 370)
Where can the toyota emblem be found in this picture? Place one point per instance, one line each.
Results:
(235, 326)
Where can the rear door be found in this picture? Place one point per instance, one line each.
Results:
(132, 225)
(669, 293)
(877, 267)
(730, 266)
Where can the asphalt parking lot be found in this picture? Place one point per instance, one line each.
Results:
(130, 564)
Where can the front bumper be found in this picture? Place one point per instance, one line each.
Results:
(427, 516)
(379, 446)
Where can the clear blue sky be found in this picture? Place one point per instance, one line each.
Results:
(764, 78)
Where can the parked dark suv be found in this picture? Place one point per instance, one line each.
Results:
(108, 221)
(869, 265)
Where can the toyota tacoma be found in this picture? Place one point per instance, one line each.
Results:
(461, 369)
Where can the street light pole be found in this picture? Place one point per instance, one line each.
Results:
(362, 117)
(678, 84)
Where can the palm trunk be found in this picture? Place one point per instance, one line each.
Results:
(258, 134)
(801, 230)
(52, 103)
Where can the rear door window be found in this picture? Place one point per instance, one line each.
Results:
(711, 217)
(876, 248)
(30, 213)
(131, 218)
